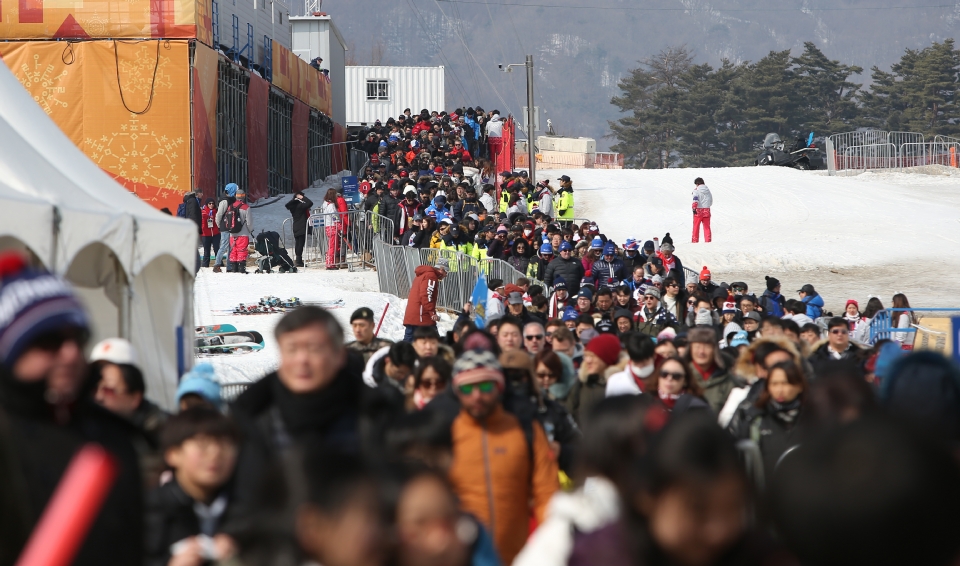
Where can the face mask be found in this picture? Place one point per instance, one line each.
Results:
(527, 232)
(645, 371)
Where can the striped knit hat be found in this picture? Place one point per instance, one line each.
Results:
(477, 366)
(33, 303)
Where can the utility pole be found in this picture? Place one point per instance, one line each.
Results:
(531, 152)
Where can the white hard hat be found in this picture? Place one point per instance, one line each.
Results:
(116, 351)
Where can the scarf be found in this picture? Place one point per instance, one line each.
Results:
(669, 399)
(315, 412)
(786, 412)
(419, 401)
(668, 264)
(705, 373)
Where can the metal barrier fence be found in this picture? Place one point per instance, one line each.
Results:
(882, 328)
(352, 241)
(230, 391)
(396, 270)
(876, 149)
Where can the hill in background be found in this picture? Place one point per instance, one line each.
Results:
(581, 54)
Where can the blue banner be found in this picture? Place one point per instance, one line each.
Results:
(479, 300)
(955, 347)
(351, 190)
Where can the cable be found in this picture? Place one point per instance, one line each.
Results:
(710, 10)
(503, 56)
(153, 83)
(63, 54)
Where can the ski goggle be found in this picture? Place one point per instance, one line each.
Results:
(484, 387)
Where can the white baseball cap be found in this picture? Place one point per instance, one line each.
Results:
(115, 351)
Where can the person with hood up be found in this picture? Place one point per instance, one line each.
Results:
(299, 207)
(224, 252)
(518, 256)
(422, 302)
(565, 267)
(702, 201)
(495, 136)
(438, 209)
(813, 300)
(191, 209)
(671, 263)
(564, 201)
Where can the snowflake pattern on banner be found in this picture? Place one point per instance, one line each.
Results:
(48, 79)
(138, 75)
(137, 153)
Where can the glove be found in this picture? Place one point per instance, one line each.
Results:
(693, 205)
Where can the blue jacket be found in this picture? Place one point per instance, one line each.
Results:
(473, 124)
(772, 303)
(814, 306)
(601, 272)
(439, 213)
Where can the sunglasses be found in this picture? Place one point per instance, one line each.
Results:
(691, 303)
(673, 284)
(839, 331)
(432, 383)
(674, 376)
(484, 387)
(534, 337)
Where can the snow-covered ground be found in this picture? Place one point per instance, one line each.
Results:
(850, 236)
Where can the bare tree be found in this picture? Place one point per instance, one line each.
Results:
(378, 53)
(669, 65)
(350, 59)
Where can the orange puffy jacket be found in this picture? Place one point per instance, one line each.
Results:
(491, 474)
(422, 303)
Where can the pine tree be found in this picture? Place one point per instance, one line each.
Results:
(827, 98)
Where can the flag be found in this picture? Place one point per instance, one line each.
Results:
(479, 300)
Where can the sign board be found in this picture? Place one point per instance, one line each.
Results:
(955, 347)
(522, 119)
(351, 189)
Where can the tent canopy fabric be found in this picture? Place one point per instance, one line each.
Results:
(83, 225)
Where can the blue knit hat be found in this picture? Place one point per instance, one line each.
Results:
(546, 248)
(610, 249)
(565, 246)
(201, 380)
(570, 313)
(33, 303)
(231, 189)
(559, 283)
(596, 244)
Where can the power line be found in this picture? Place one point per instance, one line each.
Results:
(708, 10)
(503, 56)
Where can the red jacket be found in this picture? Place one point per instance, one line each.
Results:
(208, 228)
(422, 303)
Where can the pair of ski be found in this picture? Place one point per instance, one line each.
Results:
(223, 339)
(270, 306)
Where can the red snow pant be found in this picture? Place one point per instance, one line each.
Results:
(333, 245)
(238, 248)
(701, 216)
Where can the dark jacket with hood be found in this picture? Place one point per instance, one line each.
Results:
(300, 211)
(192, 209)
(571, 270)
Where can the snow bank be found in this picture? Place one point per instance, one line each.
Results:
(874, 233)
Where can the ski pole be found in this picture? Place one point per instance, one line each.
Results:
(377, 333)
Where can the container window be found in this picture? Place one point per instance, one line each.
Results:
(378, 89)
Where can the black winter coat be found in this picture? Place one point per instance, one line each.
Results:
(170, 519)
(300, 211)
(390, 207)
(773, 434)
(571, 270)
(192, 209)
(273, 420)
(44, 448)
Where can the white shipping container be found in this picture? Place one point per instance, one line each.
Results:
(378, 93)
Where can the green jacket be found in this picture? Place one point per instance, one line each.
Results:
(565, 204)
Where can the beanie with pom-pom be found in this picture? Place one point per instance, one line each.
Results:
(33, 303)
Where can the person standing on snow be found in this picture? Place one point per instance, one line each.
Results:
(422, 302)
(224, 252)
(239, 239)
(702, 201)
(299, 207)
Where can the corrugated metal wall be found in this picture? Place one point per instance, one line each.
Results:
(409, 87)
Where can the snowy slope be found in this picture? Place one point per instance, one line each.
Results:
(874, 233)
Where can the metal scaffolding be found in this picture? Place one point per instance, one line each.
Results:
(279, 144)
(232, 126)
(319, 136)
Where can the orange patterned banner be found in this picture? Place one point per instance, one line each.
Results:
(297, 78)
(135, 125)
(86, 19)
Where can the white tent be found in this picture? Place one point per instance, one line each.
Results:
(133, 265)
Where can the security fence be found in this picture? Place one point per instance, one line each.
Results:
(876, 149)
(397, 265)
(348, 244)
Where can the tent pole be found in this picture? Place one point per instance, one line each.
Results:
(55, 249)
(123, 311)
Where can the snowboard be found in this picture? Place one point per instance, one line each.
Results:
(242, 348)
(216, 329)
(274, 305)
(229, 339)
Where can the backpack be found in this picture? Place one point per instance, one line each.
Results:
(233, 218)
(182, 210)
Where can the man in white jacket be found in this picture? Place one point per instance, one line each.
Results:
(640, 348)
(702, 201)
